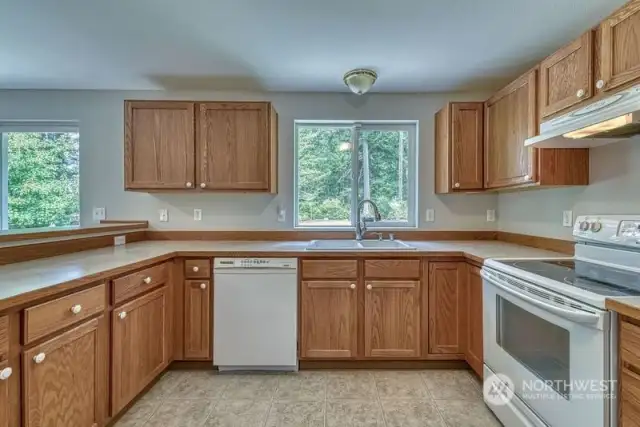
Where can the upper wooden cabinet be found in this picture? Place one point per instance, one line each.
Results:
(566, 77)
(212, 146)
(620, 47)
(510, 118)
(459, 139)
(159, 145)
(447, 308)
(237, 146)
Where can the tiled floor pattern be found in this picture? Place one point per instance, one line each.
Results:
(432, 398)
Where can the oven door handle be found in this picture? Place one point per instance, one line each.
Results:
(574, 315)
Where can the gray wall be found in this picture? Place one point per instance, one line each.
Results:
(100, 114)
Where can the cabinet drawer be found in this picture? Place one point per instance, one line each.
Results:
(4, 338)
(630, 343)
(327, 269)
(392, 268)
(139, 282)
(630, 397)
(197, 268)
(52, 316)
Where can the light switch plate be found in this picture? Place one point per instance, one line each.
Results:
(430, 215)
(99, 214)
(119, 240)
(282, 214)
(567, 218)
(164, 215)
(197, 214)
(491, 215)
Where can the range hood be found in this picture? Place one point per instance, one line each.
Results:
(604, 122)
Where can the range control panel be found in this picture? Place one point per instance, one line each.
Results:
(608, 229)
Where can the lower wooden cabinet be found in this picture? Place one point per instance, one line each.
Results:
(139, 346)
(197, 319)
(5, 406)
(447, 309)
(392, 319)
(328, 321)
(474, 349)
(64, 379)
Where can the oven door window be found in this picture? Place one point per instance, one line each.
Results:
(540, 346)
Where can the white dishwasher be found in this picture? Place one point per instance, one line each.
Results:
(255, 319)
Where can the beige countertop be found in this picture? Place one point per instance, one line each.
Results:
(627, 306)
(25, 281)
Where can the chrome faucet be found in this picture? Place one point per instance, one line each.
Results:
(361, 223)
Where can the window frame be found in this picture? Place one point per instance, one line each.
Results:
(25, 126)
(411, 126)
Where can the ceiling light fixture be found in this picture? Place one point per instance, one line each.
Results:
(360, 80)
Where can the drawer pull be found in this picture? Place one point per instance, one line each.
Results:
(39, 358)
(581, 93)
(196, 269)
(353, 286)
(122, 315)
(203, 286)
(369, 287)
(147, 280)
(5, 374)
(189, 185)
(76, 309)
(600, 84)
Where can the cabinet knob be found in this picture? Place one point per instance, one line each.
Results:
(353, 286)
(76, 309)
(122, 315)
(527, 177)
(189, 185)
(457, 185)
(203, 185)
(203, 286)
(600, 84)
(369, 287)
(147, 280)
(5, 374)
(581, 93)
(196, 269)
(39, 358)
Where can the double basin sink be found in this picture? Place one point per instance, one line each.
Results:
(355, 245)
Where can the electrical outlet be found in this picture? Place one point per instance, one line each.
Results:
(197, 214)
(164, 215)
(282, 214)
(567, 218)
(119, 240)
(430, 215)
(491, 215)
(99, 214)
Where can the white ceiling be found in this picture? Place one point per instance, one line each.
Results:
(282, 45)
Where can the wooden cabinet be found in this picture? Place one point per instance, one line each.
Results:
(392, 319)
(459, 139)
(5, 401)
(629, 383)
(474, 348)
(197, 320)
(566, 77)
(237, 146)
(139, 346)
(620, 47)
(447, 308)
(328, 319)
(510, 119)
(159, 145)
(64, 379)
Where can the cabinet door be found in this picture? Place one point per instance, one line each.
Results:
(159, 145)
(474, 354)
(392, 319)
(566, 76)
(64, 379)
(139, 346)
(5, 401)
(197, 321)
(467, 140)
(620, 46)
(511, 117)
(235, 148)
(446, 308)
(328, 319)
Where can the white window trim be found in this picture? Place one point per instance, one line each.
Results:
(411, 126)
(22, 126)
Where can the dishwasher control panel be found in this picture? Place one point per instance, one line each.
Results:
(278, 263)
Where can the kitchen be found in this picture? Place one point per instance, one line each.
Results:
(242, 203)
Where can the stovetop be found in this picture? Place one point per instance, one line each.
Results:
(598, 279)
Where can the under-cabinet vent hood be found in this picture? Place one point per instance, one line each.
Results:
(609, 120)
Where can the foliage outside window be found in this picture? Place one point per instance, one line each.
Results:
(340, 164)
(40, 176)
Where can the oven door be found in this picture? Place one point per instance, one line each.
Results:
(554, 350)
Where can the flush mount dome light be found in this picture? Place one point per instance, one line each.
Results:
(360, 80)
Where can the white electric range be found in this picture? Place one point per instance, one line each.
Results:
(550, 346)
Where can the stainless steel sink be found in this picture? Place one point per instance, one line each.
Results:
(354, 245)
